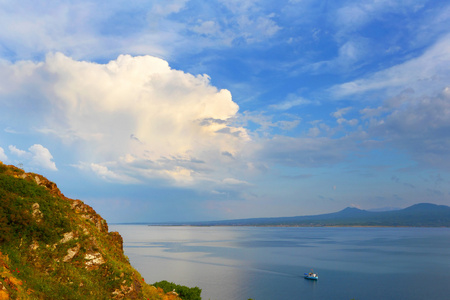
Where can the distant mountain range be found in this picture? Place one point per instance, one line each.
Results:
(418, 215)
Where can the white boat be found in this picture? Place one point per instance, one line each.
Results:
(311, 275)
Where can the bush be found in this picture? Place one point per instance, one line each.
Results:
(185, 292)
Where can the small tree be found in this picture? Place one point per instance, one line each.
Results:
(186, 293)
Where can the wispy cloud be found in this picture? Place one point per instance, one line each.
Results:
(292, 100)
(425, 73)
(415, 123)
(249, 18)
(102, 30)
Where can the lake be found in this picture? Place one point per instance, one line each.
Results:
(268, 263)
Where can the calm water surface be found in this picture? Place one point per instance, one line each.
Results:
(265, 263)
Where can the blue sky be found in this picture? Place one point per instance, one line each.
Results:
(202, 110)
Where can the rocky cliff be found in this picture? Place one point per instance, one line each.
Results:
(53, 247)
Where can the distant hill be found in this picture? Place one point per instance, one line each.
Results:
(53, 247)
(418, 215)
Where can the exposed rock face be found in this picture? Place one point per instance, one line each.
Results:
(36, 213)
(117, 239)
(40, 180)
(51, 186)
(128, 291)
(71, 253)
(89, 213)
(68, 236)
(93, 260)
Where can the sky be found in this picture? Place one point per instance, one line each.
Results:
(188, 110)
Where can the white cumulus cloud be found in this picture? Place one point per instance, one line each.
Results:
(134, 116)
(42, 157)
(36, 156)
(20, 153)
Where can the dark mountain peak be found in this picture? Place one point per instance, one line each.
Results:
(426, 207)
(351, 211)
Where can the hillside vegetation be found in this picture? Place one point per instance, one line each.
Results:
(53, 247)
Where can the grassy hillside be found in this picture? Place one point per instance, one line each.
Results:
(52, 247)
